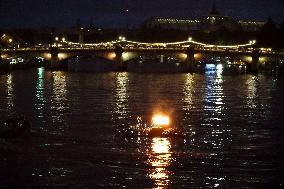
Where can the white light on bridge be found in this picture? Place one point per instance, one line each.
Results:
(121, 38)
(190, 39)
(111, 56)
(62, 56)
(252, 42)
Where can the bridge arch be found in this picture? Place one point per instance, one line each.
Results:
(128, 56)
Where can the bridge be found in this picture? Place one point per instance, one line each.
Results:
(121, 51)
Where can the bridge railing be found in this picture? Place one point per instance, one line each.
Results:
(134, 45)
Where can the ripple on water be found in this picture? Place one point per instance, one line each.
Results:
(235, 121)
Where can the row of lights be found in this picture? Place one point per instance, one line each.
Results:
(122, 38)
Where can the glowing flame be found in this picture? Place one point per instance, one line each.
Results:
(161, 120)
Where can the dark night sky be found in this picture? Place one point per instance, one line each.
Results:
(111, 13)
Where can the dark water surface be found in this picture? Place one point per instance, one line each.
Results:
(237, 126)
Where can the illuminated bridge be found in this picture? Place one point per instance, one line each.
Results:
(121, 51)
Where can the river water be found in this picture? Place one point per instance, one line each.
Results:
(236, 124)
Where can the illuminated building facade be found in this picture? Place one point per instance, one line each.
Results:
(209, 23)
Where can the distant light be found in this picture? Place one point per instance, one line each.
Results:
(63, 39)
(121, 38)
(252, 42)
(190, 39)
(56, 38)
(10, 40)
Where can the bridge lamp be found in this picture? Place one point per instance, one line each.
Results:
(10, 40)
(252, 42)
(63, 39)
(121, 38)
(56, 38)
(190, 39)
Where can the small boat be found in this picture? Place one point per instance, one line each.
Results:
(155, 132)
(15, 127)
(160, 127)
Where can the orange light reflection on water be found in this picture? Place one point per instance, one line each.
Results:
(160, 159)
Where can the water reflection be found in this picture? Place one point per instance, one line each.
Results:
(10, 93)
(214, 95)
(251, 92)
(40, 102)
(256, 99)
(59, 99)
(160, 159)
(121, 95)
(214, 107)
(187, 91)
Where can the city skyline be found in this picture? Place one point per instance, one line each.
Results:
(122, 13)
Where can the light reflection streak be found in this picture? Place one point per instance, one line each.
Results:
(214, 182)
(160, 159)
(257, 101)
(40, 93)
(214, 105)
(59, 97)
(121, 95)
(187, 91)
(10, 92)
(251, 92)
(214, 92)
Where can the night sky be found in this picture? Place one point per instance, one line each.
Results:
(112, 13)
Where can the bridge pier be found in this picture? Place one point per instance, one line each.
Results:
(54, 58)
(254, 68)
(81, 36)
(119, 59)
(190, 60)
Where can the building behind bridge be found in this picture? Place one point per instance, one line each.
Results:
(214, 21)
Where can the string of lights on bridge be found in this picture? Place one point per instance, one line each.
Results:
(122, 40)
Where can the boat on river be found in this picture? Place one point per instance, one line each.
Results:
(155, 132)
(160, 127)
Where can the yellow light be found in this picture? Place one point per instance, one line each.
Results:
(182, 56)
(62, 56)
(111, 56)
(10, 40)
(161, 120)
(161, 146)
